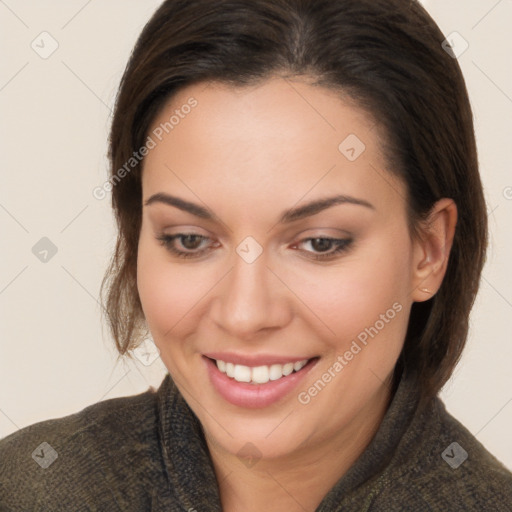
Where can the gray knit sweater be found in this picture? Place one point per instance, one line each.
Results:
(147, 452)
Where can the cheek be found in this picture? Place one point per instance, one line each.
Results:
(166, 295)
(352, 296)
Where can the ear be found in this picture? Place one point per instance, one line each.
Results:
(431, 250)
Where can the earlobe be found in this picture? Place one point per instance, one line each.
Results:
(432, 249)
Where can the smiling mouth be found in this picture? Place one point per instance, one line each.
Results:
(260, 374)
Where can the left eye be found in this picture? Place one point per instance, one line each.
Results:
(322, 245)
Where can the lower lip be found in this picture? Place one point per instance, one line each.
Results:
(254, 396)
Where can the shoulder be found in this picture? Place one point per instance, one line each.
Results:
(83, 455)
(445, 467)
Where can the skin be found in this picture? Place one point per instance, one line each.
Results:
(248, 154)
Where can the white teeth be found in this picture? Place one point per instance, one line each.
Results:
(287, 369)
(242, 373)
(276, 371)
(298, 365)
(259, 374)
(230, 369)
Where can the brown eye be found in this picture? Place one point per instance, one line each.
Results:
(324, 248)
(191, 242)
(321, 244)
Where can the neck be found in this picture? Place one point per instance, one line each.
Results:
(276, 484)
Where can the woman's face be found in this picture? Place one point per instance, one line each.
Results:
(242, 181)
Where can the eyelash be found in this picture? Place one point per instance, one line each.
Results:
(167, 241)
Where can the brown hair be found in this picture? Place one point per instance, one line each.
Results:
(386, 55)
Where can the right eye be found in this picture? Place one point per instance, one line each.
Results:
(189, 241)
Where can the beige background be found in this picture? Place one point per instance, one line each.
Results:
(55, 112)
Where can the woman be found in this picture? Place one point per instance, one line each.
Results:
(302, 230)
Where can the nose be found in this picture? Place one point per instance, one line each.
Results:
(251, 300)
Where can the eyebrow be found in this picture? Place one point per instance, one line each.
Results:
(291, 215)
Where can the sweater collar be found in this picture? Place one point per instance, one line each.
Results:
(380, 455)
(190, 469)
(185, 452)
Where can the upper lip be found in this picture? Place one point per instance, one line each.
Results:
(253, 359)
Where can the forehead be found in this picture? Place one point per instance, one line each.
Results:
(278, 141)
